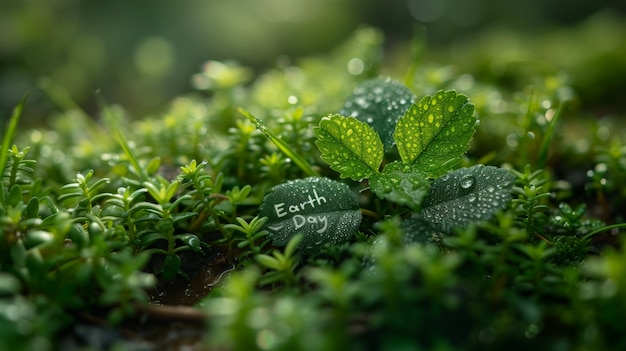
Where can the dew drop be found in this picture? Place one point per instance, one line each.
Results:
(356, 66)
(467, 181)
(471, 197)
(361, 102)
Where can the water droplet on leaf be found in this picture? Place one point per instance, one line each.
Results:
(467, 181)
(466, 195)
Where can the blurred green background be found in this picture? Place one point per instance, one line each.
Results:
(142, 53)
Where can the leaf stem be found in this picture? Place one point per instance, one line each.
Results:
(605, 228)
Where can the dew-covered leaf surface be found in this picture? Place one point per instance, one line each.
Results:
(379, 102)
(434, 133)
(417, 230)
(324, 210)
(350, 146)
(466, 195)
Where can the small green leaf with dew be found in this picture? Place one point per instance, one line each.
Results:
(466, 195)
(323, 210)
(400, 183)
(350, 147)
(434, 133)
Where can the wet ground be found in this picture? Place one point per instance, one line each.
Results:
(168, 322)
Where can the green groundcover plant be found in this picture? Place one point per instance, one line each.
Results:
(324, 205)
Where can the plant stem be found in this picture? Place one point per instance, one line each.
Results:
(605, 228)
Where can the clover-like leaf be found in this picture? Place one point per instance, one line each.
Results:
(379, 102)
(323, 210)
(400, 183)
(466, 195)
(350, 146)
(434, 133)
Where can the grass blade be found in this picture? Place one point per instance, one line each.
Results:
(545, 144)
(282, 146)
(7, 138)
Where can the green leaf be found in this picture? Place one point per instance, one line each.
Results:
(268, 261)
(434, 134)
(191, 240)
(400, 183)
(9, 284)
(293, 243)
(36, 238)
(466, 195)
(323, 210)
(32, 209)
(379, 102)
(15, 195)
(151, 238)
(171, 267)
(153, 166)
(349, 146)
